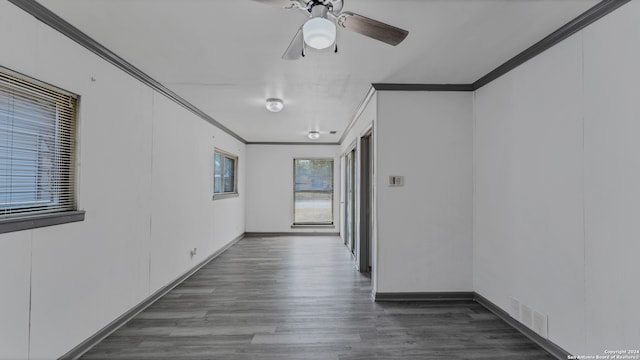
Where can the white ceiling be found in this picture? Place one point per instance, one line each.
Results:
(224, 56)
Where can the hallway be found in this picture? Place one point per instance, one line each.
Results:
(301, 298)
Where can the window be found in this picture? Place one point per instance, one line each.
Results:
(224, 175)
(37, 147)
(313, 192)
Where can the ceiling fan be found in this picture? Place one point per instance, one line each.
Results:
(319, 32)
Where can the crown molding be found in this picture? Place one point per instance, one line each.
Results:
(49, 18)
(290, 143)
(356, 115)
(583, 20)
(422, 87)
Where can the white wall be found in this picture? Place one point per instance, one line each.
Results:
(270, 186)
(183, 214)
(528, 181)
(145, 181)
(556, 194)
(15, 273)
(425, 227)
(612, 178)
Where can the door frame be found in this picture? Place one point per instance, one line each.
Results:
(350, 204)
(365, 203)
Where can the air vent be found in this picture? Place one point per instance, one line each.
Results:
(526, 316)
(515, 309)
(540, 324)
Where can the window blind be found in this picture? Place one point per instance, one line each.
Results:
(37, 147)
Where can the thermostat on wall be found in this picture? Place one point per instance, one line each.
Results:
(396, 180)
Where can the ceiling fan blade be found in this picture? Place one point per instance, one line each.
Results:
(296, 48)
(287, 4)
(372, 28)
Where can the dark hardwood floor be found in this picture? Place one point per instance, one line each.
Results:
(301, 298)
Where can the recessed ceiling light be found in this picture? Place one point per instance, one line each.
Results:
(314, 135)
(274, 105)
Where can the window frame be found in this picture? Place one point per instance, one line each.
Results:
(225, 194)
(37, 218)
(315, 225)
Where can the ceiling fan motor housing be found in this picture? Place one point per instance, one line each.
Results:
(319, 10)
(332, 6)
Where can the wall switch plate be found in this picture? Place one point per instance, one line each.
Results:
(396, 180)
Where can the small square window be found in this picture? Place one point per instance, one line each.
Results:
(225, 170)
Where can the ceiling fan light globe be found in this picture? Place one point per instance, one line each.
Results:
(319, 33)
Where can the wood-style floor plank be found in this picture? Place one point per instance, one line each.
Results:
(301, 298)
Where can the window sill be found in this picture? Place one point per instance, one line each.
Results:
(225, 196)
(37, 221)
(327, 226)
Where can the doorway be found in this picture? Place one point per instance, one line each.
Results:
(350, 200)
(366, 203)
